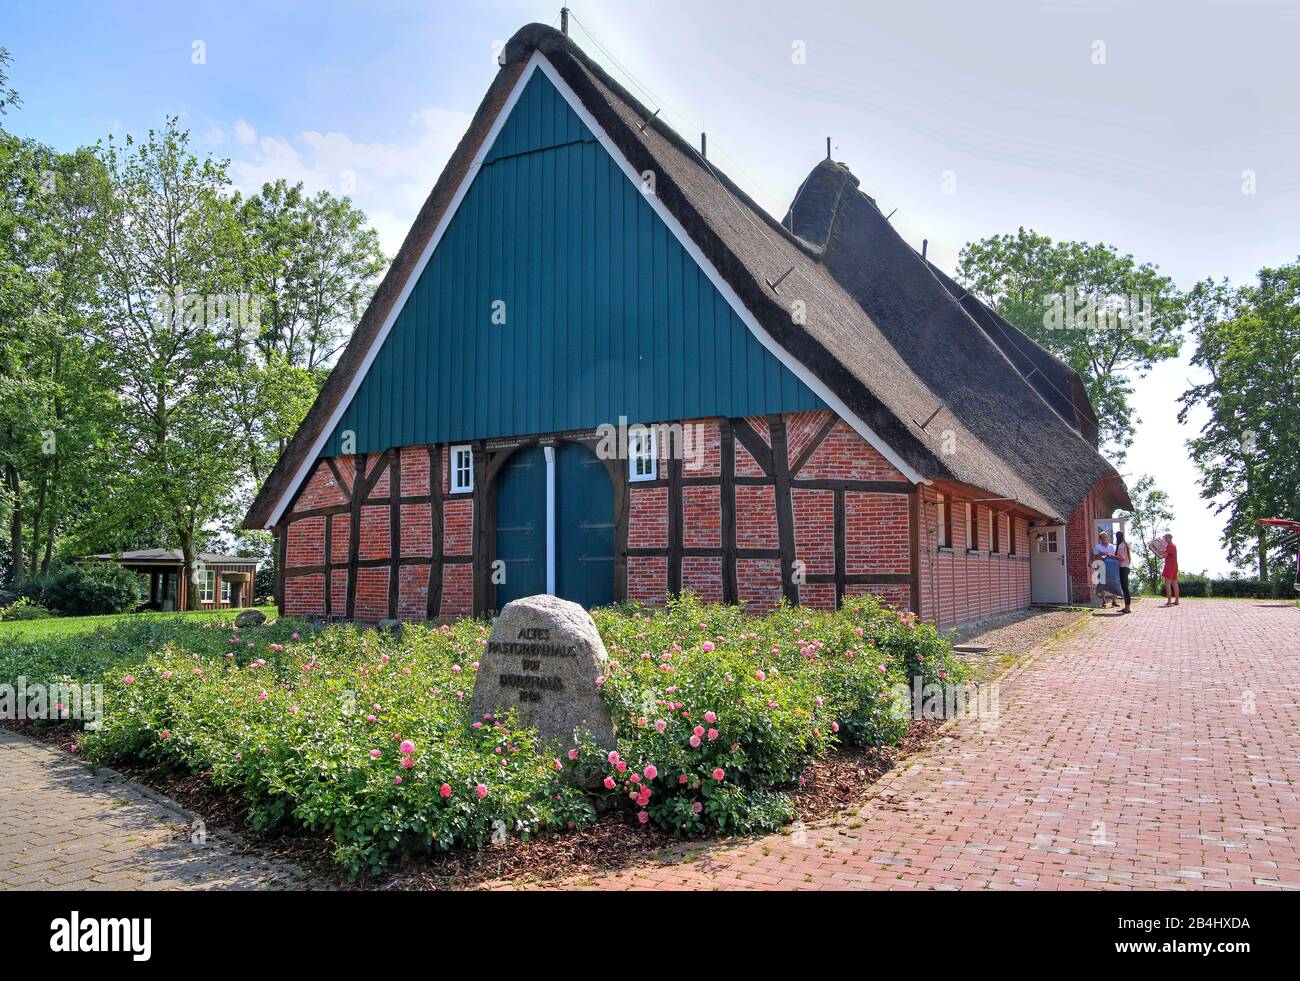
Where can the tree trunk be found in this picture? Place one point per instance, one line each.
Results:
(16, 573)
(1262, 546)
(38, 518)
(187, 556)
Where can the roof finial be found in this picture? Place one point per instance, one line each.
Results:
(828, 148)
(564, 21)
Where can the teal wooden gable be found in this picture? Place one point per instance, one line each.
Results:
(605, 313)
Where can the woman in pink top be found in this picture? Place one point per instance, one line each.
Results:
(1170, 572)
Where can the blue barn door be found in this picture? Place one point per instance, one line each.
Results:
(521, 525)
(584, 527)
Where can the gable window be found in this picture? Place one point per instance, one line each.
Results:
(994, 522)
(945, 522)
(1011, 534)
(207, 586)
(462, 469)
(642, 453)
(971, 536)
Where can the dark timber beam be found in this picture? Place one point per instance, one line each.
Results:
(433, 596)
(727, 504)
(780, 463)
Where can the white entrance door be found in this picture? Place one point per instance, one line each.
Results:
(1048, 582)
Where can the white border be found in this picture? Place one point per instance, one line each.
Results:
(535, 62)
(452, 469)
(641, 432)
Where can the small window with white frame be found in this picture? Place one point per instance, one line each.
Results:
(642, 453)
(225, 591)
(462, 469)
(207, 586)
(970, 527)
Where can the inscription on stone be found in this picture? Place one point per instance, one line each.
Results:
(543, 657)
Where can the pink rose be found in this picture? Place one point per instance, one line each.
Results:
(760, 675)
(695, 742)
(708, 646)
(573, 754)
(713, 734)
(481, 790)
(376, 753)
(643, 816)
(609, 783)
(407, 747)
(407, 763)
(651, 771)
(128, 680)
(719, 773)
(445, 790)
(710, 717)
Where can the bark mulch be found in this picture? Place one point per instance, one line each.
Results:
(837, 782)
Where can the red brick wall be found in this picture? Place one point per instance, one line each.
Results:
(959, 585)
(1080, 536)
(305, 544)
(956, 585)
(876, 524)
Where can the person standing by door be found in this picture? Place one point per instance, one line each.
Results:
(1125, 559)
(1101, 552)
(1170, 572)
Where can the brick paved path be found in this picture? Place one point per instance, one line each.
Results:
(64, 825)
(1157, 750)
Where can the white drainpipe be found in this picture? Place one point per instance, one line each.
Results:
(550, 518)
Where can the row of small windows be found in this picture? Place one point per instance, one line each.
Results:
(945, 507)
(642, 460)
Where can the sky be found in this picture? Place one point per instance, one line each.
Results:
(1170, 130)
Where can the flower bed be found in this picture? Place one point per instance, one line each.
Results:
(367, 738)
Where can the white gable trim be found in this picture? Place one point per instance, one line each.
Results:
(537, 61)
(309, 462)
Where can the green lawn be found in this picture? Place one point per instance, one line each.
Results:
(58, 627)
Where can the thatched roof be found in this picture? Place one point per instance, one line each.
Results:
(878, 329)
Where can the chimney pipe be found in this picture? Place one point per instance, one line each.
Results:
(925, 243)
(564, 21)
(828, 148)
(704, 145)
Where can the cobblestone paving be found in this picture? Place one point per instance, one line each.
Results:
(1155, 750)
(65, 825)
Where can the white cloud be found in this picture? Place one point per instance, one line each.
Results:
(389, 181)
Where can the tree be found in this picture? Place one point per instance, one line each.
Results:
(173, 306)
(315, 263)
(1100, 312)
(1149, 519)
(1248, 341)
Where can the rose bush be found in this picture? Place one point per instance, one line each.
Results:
(367, 737)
